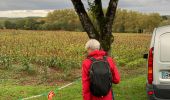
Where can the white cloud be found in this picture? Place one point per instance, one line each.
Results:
(24, 13)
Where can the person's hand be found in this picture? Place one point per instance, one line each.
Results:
(51, 95)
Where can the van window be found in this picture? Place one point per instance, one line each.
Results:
(165, 47)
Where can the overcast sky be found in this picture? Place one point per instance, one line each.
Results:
(24, 8)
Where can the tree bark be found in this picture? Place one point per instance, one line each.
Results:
(85, 20)
(107, 37)
(110, 14)
(100, 18)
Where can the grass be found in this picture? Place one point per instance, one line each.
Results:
(130, 89)
(33, 62)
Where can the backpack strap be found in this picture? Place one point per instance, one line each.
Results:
(105, 58)
(92, 59)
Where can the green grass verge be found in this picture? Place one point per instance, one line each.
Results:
(129, 89)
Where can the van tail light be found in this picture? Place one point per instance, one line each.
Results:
(150, 92)
(150, 66)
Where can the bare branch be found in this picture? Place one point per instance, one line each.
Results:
(111, 11)
(98, 11)
(85, 20)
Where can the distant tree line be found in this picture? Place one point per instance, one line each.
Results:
(135, 22)
(24, 24)
(126, 21)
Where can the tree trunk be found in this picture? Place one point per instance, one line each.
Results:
(105, 22)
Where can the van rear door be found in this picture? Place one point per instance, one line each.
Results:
(161, 65)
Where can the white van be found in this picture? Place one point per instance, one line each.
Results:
(158, 80)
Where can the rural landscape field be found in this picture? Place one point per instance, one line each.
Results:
(36, 62)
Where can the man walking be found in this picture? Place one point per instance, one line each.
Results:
(98, 73)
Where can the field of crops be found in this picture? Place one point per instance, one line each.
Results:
(46, 58)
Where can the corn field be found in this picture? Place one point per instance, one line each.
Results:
(41, 52)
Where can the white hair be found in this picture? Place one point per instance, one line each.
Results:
(92, 44)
